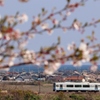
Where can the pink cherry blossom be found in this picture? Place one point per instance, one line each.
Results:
(1, 2)
(53, 67)
(94, 68)
(23, 0)
(44, 26)
(22, 18)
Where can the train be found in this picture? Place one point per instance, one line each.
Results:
(76, 87)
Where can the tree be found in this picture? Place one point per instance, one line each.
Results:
(13, 49)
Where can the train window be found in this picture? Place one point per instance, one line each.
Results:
(86, 86)
(78, 86)
(57, 85)
(96, 86)
(69, 85)
(61, 86)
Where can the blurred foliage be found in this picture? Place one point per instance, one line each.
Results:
(29, 95)
(77, 97)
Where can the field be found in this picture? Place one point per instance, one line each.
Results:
(43, 88)
(46, 93)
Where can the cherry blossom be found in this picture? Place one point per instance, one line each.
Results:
(23, 0)
(10, 19)
(38, 63)
(83, 46)
(55, 22)
(28, 56)
(53, 67)
(37, 20)
(22, 44)
(11, 63)
(50, 31)
(94, 68)
(1, 35)
(44, 26)
(1, 2)
(68, 13)
(22, 18)
(46, 63)
(76, 24)
(31, 36)
(59, 52)
(16, 34)
(64, 29)
(14, 41)
(86, 51)
(86, 56)
(71, 46)
(7, 37)
(76, 63)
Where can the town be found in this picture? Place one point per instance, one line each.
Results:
(59, 76)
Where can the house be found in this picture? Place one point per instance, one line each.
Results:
(5, 78)
(27, 78)
(74, 78)
(19, 79)
(57, 78)
(41, 77)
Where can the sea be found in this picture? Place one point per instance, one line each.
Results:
(35, 68)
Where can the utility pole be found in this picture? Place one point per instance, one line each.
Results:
(39, 91)
(39, 87)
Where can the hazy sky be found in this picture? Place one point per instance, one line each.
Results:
(33, 8)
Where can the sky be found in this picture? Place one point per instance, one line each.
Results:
(33, 8)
